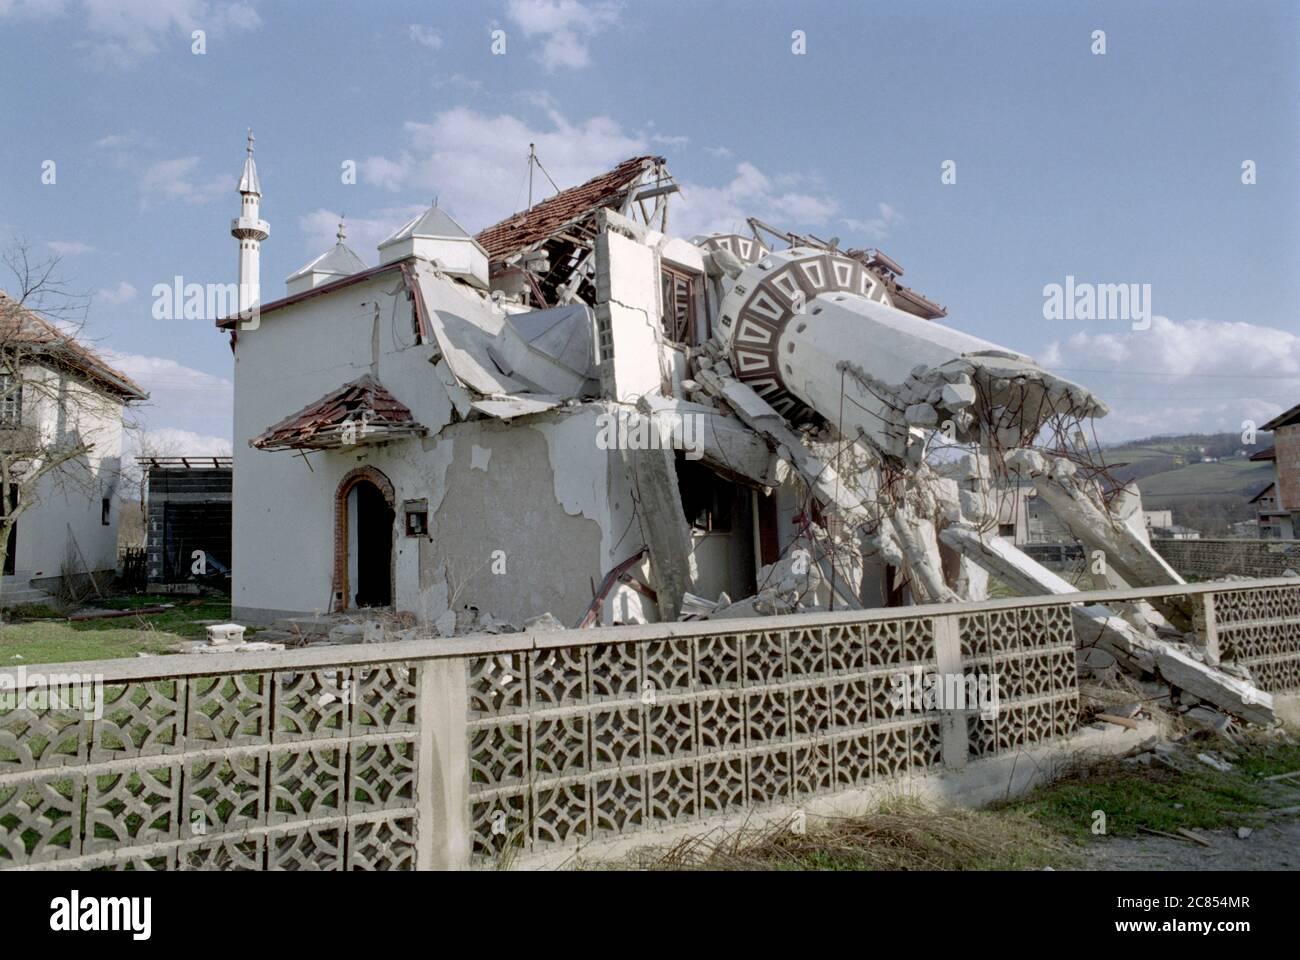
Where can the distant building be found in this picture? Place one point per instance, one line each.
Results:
(1247, 529)
(1175, 532)
(1278, 504)
(1158, 518)
(189, 517)
(56, 393)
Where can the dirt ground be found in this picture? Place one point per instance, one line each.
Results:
(1273, 847)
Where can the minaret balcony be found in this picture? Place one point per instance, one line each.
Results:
(245, 228)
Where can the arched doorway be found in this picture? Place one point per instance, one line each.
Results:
(364, 513)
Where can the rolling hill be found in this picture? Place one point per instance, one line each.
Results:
(1173, 474)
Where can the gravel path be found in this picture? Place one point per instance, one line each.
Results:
(1273, 847)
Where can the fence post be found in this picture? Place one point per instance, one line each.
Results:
(953, 729)
(1211, 629)
(442, 790)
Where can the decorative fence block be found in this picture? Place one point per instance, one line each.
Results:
(1260, 630)
(254, 770)
(325, 767)
(569, 743)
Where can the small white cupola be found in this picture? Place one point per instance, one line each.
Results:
(334, 264)
(437, 237)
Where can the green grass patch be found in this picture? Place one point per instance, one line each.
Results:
(1194, 796)
(52, 641)
(45, 637)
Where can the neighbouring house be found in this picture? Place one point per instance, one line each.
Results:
(575, 412)
(1278, 504)
(187, 521)
(1158, 518)
(57, 399)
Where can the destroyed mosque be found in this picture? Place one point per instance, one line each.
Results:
(577, 413)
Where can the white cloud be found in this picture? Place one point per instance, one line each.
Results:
(173, 442)
(749, 193)
(364, 234)
(1190, 377)
(69, 248)
(32, 9)
(878, 227)
(565, 27)
(181, 398)
(176, 180)
(424, 36)
(164, 374)
(720, 152)
(116, 295)
(114, 141)
(670, 141)
(457, 81)
(121, 33)
(476, 163)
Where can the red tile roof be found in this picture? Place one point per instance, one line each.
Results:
(546, 218)
(20, 326)
(364, 402)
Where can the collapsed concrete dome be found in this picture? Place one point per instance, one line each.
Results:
(814, 328)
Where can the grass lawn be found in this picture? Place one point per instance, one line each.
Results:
(1195, 796)
(42, 637)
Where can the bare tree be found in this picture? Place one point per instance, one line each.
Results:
(55, 395)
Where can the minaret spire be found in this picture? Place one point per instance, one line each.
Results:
(250, 230)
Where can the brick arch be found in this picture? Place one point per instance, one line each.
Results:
(340, 588)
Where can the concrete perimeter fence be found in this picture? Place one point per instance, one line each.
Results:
(476, 751)
(1221, 558)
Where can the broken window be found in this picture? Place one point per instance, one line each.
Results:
(678, 305)
(708, 501)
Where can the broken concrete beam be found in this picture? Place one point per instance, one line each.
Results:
(826, 484)
(1095, 624)
(653, 475)
(1124, 544)
(723, 442)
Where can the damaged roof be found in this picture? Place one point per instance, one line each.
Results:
(544, 219)
(19, 325)
(362, 411)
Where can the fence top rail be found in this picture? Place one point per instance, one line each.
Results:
(437, 648)
(1251, 541)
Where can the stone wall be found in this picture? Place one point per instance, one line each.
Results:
(1209, 559)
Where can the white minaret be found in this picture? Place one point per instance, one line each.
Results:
(250, 230)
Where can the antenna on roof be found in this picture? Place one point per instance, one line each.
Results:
(533, 159)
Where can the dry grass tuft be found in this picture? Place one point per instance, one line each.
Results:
(901, 835)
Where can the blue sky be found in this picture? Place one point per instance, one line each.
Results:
(1117, 168)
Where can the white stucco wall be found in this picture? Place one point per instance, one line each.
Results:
(538, 488)
(66, 504)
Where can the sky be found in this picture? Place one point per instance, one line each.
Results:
(992, 149)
